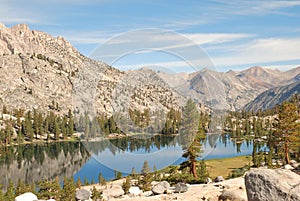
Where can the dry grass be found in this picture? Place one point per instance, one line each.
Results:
(224, 166)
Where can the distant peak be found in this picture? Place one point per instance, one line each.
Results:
(21, 27)
(231, 72)
(2, 26)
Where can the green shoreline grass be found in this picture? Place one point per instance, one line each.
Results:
(224, 166)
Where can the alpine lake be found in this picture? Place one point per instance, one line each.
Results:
(85, 160)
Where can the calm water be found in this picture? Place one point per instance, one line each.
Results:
(32, 163)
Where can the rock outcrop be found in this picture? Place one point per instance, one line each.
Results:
(114, 191)
(181, 188)
(82, 194)
(267, 184)
(161, 188)
(233, 195)
(26, 197)
(40, 71)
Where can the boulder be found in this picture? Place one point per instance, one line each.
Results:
(233, 195)
(181, 188)
(147, 193)
(268, 184)
(26, 197)
(135, 190)
(47, 200)
(114, 191)
(218, 179)
(82, 194)
(161, 188)
(294, 164)
(208, 180)
(288, 167)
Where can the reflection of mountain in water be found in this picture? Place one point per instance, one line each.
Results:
(133, 144)
(32, 163)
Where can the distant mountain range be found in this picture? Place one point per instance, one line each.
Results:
(45, 72)
(230, 90)
(272, 97)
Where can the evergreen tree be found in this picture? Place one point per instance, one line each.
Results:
(86, 181)
(190, 136)
(126, 185)
(189, 123)
(70, 123)
(146, 168)
(193, 151)
(56, 129)
(8, 132)
(64, 127)
(288, 129)
(133, 172)
(101, 179)
(49, 189)
(119, 175)
(69, 190)
(27, 126)
(202, 171)
(96, 195)
(78, 183)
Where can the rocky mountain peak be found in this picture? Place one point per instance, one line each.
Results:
(2, 26)
(19, 39)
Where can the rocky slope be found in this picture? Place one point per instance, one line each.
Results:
(45, 72)
(272, 97)
(229, 90)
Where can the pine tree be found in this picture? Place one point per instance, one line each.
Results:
(69, 189)
(202, 171)
(78, 183)
(27, 126)
(126, 185)
(56, 129)
(101, 179)
(190, 136)
(86, 181)
(119, 175)
(192, 153)
(288, 129)
(133, 172)
(70, 123)
(96, 194)
(146, 168)
(49, 189)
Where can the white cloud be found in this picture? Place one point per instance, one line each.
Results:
(260, 51)
(282, 67)
(255, 7)
(265, 52)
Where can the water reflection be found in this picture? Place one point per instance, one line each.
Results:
(32, 163)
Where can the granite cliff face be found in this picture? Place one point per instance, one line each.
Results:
(41, 71)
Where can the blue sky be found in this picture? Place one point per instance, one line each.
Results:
(234, 34)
